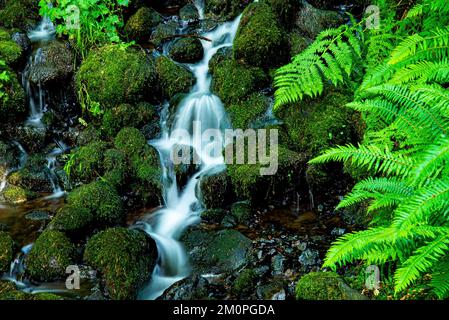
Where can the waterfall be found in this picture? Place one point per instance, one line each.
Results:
(51, 165)
(199, 111)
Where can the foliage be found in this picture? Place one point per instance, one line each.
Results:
(89, 22)
(5, 79)
(405, 103)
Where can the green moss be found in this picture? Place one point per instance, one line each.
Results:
(72, 219)
(245, 283)
(260, 41)
(242, 114)
(215, 190)
(12, 105)
(226, 9)
(19, 13)
(112, 75)
(124, 257)
(173, 78)
(10, 52)
(139, 25)
(234, 82)
(51, 254)
(187, 50)
(116, 168)
(18, 195)
(88, 162)
(126, 115)
(130, 141)
(147, 174)
(163, 32)
(285, 10)
(6, 251)
(4, 35)
(8, 291)
(101, 199)
(324, 286)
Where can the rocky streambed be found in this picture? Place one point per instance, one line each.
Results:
(80, 187)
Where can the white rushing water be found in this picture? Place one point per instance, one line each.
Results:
(182, 207)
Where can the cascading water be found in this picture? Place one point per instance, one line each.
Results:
(51, 165)
(199, 111)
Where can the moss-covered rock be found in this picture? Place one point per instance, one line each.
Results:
(244, 113)
(101, 199)
(234, 82)
(187, 50)
(34, 176)
(125, 259)
(260, 41)
(6, 251)
(17, 195)
(225, 9)
(114, 74)
(163, 32)
(72, 219)
(12, 104)
(50, 255)
(245, 283)
(140, 25)
(189, 12)
(116, 168)
(10, 52)
(215, 191)
(311, 21)
(130, 141)
(127, 115)
(9, 291)
(325, 286)
(285, 10)
(173, 78)
(88, 162)
(249, 184)
(56, 63)
(20, 14)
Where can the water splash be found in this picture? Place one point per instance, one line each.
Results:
(182, 207)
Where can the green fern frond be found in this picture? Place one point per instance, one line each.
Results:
(440, 279)
(423, 71)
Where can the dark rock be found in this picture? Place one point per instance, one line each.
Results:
(226, 9)
(37, 216)
(22, 40)
(215, 190)
(311, 21)
(309, 258)
(187, 50)
(189, 13)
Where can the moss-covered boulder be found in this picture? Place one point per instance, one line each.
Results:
(163, 32)
(325, 286)
(187, 50)
(246, 112)
(34, 176)
(130, 141)
(114, 74)
(9, 291)
(10, 52)
(260, 41)
(101, 199)
(285, 10)
(13, 102)
(127, 115)
(88, 162)
(189, 12)
(125, 258)
(234, 82)
(72, 219)
(249, 184)
(225, 9)
(311, 21)
(139, 26)
(6, 251)
(20, 14)
(17, 195)
(50, 255)
(55, 64)
(215, 190)
(116, 168)
(173, 78)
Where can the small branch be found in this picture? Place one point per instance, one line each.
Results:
(186, 36)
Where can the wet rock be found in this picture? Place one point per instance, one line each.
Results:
(325, 286)
(189, 13)
(34, 176)
(214, 190)
(213, 215)
(38, 216)
(163, 33)
(311, 21)
(16, 195)
(9, 291)
(139, 26)
(278, 264)
(22, 40)
(226, 9)
(270, 290)
(53, 63)
(31, 138)
(309, 258)
(125, 258)
(192, 288)
(217, 252)
(21, 14)
(187, 50)
(173, 78)
(245, 283)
